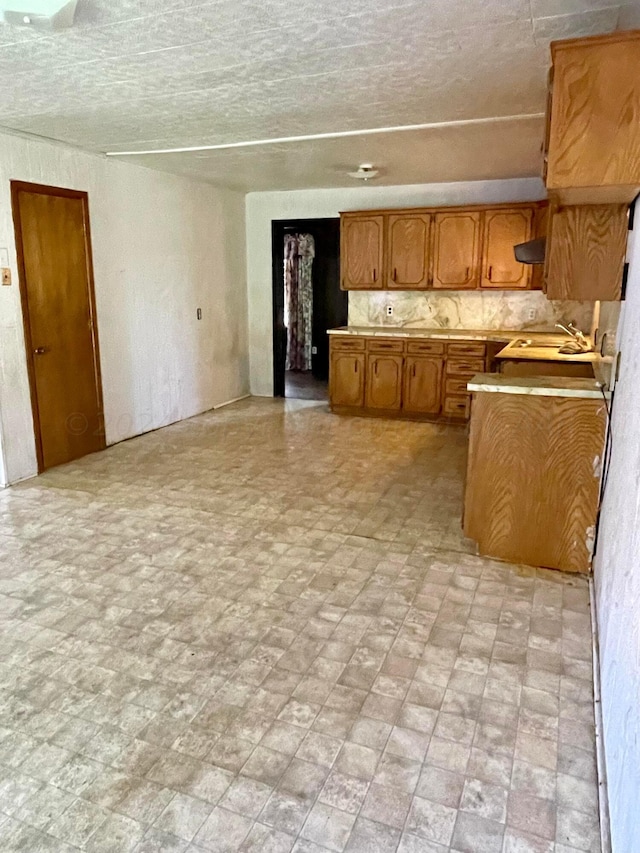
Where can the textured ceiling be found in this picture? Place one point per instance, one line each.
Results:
(141, 74)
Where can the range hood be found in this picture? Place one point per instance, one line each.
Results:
(531, 252)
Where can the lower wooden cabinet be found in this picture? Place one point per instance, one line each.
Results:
(347, 378)
(533, 479)
(384, 381)
(457, 406)
(419, 379)
(422, 391)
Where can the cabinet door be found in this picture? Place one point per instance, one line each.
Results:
(384, 381)
(503, 229)
(346, 384)
(586, 249)
(408, 251)
(594, 141)
(456, 250)
(422, 384)
(361, 243)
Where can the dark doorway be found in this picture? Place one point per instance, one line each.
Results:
(330, 306)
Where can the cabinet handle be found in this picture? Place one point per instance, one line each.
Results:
(489, 274)
(355, 366)
(375, 275)
(467, 274)
(413, 372)
(394, 274)
(375, 367)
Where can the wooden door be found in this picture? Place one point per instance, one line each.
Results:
(586, 249)
(503, 229)
(54, 257)
(456, 250)
(422, 384)
(361, 244)
(346, 379)
(408, 251)
(384, 381)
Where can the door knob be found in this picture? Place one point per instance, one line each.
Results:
(40, 350)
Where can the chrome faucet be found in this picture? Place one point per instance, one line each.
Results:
(574, 332)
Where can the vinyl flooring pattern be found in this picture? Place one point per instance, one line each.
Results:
(261, 630)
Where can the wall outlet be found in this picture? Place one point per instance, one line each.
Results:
(389, 310)
(199, 314)
(531, 314)
(314, 350)
(6, 275)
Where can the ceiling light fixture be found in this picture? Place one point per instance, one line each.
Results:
(338, 134)
(42, 14)
(366, 172)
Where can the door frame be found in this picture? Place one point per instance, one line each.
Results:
(44, 189)
(279, 227)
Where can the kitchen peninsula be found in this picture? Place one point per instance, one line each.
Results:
(534, 468)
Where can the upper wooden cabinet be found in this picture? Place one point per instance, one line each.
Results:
(361, 255)
(456, 250)
(503, 229)
(593, 125)
(585, 251)
(408, 241)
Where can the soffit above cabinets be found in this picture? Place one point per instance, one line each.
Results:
(138, 75)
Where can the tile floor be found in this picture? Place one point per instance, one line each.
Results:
(261, 630)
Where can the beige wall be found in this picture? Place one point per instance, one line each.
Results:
(163, 246)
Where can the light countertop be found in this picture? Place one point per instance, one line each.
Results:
(541, 386)
(498, 335)
(542, 353)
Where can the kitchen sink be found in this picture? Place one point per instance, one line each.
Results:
(523, 343)
(568, 347)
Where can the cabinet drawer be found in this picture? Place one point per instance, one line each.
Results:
(347, 344)
(457, 366)
(457, 385)
(425, 347)
(457, 407)
(374, 345)
(466, 349)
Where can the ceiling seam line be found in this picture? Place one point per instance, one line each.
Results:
(329, 135)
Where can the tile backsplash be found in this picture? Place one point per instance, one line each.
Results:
(459, 310)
